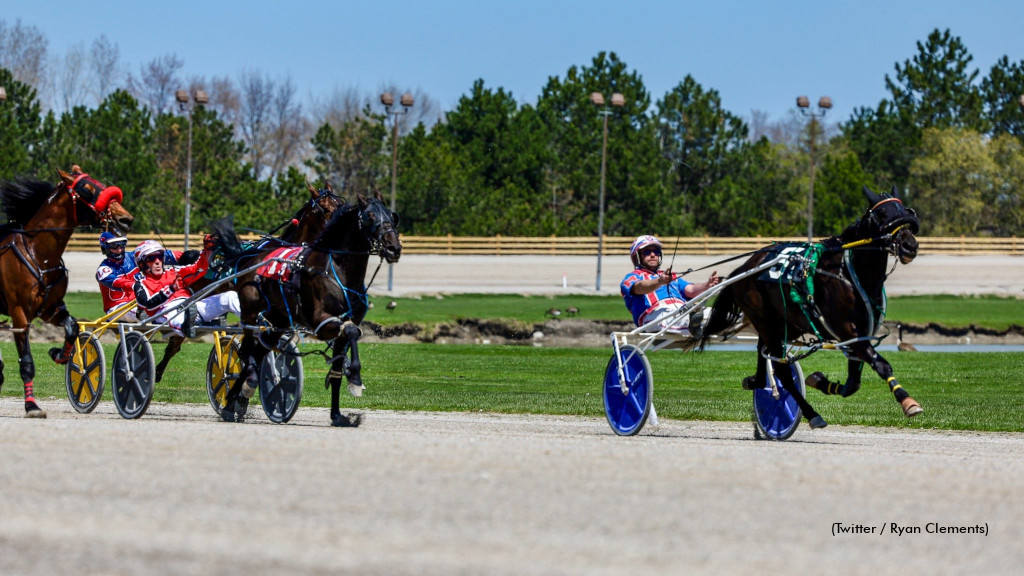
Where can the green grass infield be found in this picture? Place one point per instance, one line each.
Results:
(959, 391)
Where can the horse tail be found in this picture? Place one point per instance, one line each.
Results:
(229, 243)
(725, 317)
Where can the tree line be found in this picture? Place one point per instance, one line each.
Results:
(946, 138)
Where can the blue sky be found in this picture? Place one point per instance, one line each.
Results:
(757, 54)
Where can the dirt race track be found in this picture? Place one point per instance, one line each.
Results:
(179, 492)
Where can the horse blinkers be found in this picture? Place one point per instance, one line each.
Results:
(381, 228)
(900, 223)
(100, 200)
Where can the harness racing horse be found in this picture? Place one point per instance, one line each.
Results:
(834, 293)
(322, 291)
(301, 229)
(33, 279)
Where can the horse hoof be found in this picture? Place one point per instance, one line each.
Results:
(910, 407)
(343, 421)
(750, 383)
(37, 413)
(356, 390)
(227, 415)
(241, 408)
(818, 422)
(57, 355)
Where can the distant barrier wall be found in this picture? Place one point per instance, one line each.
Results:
(587, 245)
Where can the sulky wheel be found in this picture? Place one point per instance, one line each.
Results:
(281, 383)
(85, 373)
(627, 410)
(134, 372)
(222, 370)
(777, 419)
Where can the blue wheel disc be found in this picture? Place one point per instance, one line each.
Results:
(627, 413)
(778, 419)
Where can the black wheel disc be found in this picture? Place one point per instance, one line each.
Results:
(281, 383)
(133, 375)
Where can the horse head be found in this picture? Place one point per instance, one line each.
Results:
(379, 225)
(314, 215)
(887, 216)
(96, 203)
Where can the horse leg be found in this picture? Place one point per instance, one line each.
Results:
(236, 402)
(756, 382)
(821, 382)
(882, 367)
(345, 362)
(28, 372)
(70, 325)
(786, 378)
(173, 347)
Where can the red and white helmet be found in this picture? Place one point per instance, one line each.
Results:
(146, 249)
(639, 244)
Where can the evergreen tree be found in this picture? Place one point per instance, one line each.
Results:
(19, 128)
(1002, 92)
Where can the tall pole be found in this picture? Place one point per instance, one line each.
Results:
(389, 101)
(810, 193)
(597, 99)
(824, 105)
(188, 179)
(394, 180)
(600, 208)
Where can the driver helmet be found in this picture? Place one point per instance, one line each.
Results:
(108, 241)
(639, 244)
(146, 249)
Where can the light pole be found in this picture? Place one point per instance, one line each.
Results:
(389, 108)
(618, 100)
(186, 104)
(824, 104)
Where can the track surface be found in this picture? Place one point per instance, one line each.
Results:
(178, 492)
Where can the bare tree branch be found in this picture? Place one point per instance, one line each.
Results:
(105, 65)
(157, 82)
(70, 85)
(23, 52)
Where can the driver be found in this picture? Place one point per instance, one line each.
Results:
(116, 274)
(160, 289)
(652, 294)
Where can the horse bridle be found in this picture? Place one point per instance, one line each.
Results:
(375, 231)
(105, 196)
(909, 219)
(322, 194)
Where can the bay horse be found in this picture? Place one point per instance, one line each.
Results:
(303, 227)
(323, 292)
(834, 294)
(33, 279)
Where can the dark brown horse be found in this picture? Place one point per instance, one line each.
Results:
(302, 228)
(325, 296)
(33, 279)
(830, 293)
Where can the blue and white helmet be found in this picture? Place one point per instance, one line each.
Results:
(639, 244)
(110, 240)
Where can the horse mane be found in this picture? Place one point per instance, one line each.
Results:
(21, 199)
(336, 227)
